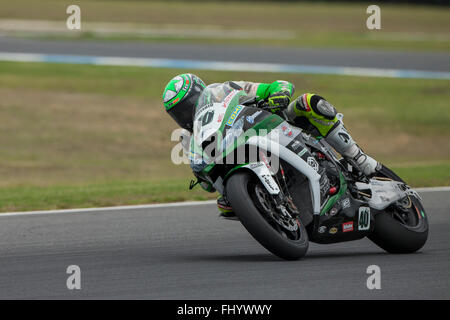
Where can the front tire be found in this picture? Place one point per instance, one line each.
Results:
(395, 234)
(241, 193)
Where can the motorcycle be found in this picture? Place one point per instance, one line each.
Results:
(288, 187)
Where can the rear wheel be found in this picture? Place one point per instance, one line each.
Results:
(402, 228)
(283, 235)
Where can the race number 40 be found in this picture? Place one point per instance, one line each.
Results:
(364, 219)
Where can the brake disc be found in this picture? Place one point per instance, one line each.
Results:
(283, 218)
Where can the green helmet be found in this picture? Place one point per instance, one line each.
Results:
(180, 98)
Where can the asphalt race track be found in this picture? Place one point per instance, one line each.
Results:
(235, 53)
(187, 252)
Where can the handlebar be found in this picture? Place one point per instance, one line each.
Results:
(261, 104)
(254, 102)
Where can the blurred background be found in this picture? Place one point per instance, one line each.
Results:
(79, 130)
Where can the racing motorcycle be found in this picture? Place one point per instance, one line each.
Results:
(288, 187)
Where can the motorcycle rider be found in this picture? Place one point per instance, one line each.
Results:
(309, 111)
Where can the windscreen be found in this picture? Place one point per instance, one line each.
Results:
(214, 93)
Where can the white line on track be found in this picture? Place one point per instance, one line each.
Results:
(223, 65)
(116, 208)
(432, 189)
(159, 205)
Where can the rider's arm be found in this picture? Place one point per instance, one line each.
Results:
(278, 93)
(265, 90)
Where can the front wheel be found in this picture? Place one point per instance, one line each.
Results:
(285, 238)
(400, 230)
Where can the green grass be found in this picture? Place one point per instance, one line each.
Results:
(425, 175)
(114, 193)
(80, 135)
(342, 25)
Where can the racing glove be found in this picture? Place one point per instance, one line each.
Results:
(279, 100)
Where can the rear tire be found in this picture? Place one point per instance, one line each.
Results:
(239, 191)
(394, 236)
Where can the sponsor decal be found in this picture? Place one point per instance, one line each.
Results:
(264, 160)
(234, 115)
(268, 179)
(251, 118)
(303, 104)
(228, 98)
(207, 117)
(174, 101)
(256, 165)
(186, 87)
(313, 163)
(322, 122)
(364, 218)
(344, 137)
(220, 117)
(333, 230)
(345, 203)
(302, 152)
(322, 229)
(347, 226)
(296, 144)
(287, 131)
(206, 106)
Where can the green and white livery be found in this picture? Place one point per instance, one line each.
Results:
(287, 187)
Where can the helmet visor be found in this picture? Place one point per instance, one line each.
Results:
(182, 112)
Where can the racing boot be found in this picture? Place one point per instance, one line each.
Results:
(343, 143)
(225, 209)
(324, 117)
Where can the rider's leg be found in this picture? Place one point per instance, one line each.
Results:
(322, 115)
(341, 140)
(225, 209)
